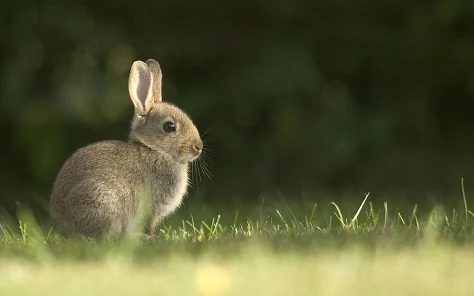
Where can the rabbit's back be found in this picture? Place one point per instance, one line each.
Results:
(98, 188)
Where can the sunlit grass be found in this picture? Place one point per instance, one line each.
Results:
(255, 270)
(320, 249)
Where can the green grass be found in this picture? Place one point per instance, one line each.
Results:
(310, 249)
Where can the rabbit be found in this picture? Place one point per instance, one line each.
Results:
(107, 187)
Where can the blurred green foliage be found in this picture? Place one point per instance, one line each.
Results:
(303, 97)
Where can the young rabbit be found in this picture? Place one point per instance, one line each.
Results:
(108, 187)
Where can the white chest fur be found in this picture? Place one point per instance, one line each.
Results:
(177, 193)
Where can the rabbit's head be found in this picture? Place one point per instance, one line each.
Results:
(160, 126)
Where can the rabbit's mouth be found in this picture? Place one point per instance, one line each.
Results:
(188, 158)
(193, 157)
(195, 151)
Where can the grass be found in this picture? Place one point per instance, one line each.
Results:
(314, 249)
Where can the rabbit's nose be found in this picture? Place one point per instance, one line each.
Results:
(198, 145)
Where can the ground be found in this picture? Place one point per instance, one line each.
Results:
(313, 250)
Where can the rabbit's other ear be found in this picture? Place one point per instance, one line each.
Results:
(140, 87)
(155, 70)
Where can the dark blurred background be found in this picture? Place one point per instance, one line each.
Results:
(301, 99)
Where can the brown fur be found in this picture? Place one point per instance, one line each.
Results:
(110, 186)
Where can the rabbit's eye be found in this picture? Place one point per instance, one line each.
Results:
(169, 127)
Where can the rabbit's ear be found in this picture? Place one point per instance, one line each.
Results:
(155, 70)
(140, 84)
